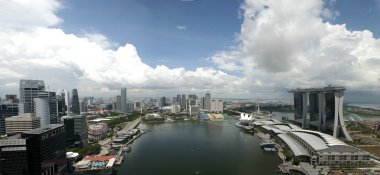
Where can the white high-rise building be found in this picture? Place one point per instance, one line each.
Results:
(175, 108)
(42, 110)
(46, 108)
(216, 106)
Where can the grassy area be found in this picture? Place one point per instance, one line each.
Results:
(372, 149)
(121, 119)
(90, 149)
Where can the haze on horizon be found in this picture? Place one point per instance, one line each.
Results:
(241, 49)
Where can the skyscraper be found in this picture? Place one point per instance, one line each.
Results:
(39, 151)
(46, 108)
(202, 105)
(83, 106)
(162, 102)
(13, 161)
(207, 101)
(178, 99)
(29, 90)
(67, 101)
(123, 103)
(118, 103)
(75, 109)
(61, 104)
(76, 130)
(183, 101)
(8, 109)
(322, 109)
(42, 110)
(46, 150)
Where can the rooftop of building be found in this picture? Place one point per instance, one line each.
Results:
(322, 142)
(324, 89)
(97, 126)
(44, 129)
(91, 163)
(23, 117)
(12, 142)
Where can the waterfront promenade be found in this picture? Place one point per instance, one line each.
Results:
(106, 144)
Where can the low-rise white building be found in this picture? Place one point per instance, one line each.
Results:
(175, 108)
(315, 147)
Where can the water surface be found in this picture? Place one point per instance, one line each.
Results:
(190, 148)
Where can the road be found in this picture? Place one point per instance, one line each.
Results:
(106, 144)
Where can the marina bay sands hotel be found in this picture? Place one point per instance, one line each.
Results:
(321, 109)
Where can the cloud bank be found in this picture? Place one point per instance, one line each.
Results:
(289, 43)
(283, 44)
(31, 46)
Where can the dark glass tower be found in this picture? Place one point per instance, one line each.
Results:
(314, 110)
(7, 110)
(75, 102)
(46, 150)
(13, 157)
(298, 107)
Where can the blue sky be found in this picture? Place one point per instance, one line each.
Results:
(233, 48)
(210, 25)
(171, 32)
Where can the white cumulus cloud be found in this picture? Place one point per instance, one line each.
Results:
(33, 47)
(288, 44)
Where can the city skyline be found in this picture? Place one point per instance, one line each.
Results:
(323, 43)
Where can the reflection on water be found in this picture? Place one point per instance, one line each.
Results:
(197, 148)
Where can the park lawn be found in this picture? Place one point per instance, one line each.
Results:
(374, 149)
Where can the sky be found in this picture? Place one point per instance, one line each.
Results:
(233, 48)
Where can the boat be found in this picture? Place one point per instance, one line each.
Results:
(268, 145)
(127, 148)
(245, 127)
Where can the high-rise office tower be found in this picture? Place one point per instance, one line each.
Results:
(8, 109)
(321, 109)
(183, 101)
(192, 96)
(46, 108)
(83, 106)
(68, 122)
(207, 101)
(123, 102)
(42, 110)
(216, 106)
(46, 150)
(75, 108)
(29, 90)
(202, 105)
(76, 130)
(162, 102)
(38, 151)
(61, 105)
(118, 103)
(67, 101)
(178, 99)
(13, 155)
